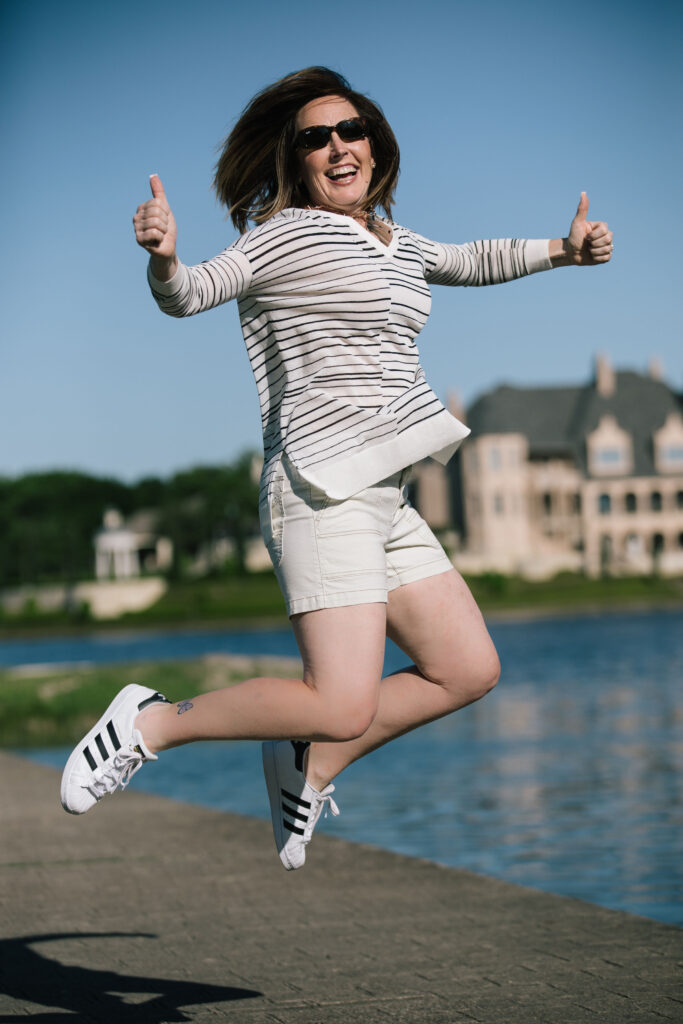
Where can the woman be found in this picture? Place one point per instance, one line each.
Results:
(331, 298)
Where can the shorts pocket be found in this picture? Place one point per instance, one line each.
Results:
(272, 517)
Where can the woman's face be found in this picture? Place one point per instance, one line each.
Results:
(338, 175)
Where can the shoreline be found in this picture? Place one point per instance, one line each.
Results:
(492, 614)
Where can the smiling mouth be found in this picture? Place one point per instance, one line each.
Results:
(342, 175)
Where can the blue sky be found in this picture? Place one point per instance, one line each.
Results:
(504, 112)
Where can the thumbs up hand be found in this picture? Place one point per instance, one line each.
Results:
(156, 231)
(589, 242)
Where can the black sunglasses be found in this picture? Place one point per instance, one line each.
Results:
(318, 135)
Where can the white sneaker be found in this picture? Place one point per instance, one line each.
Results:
(294, 805)
(111, 753)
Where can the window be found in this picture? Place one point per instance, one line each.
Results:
(672, 455)
(657, 544)
(656, 501)
(609, 457)
(494, 458)
(679, 499)
(498, 504)
(576, 503)
(680, 540)
(630, 502)
(604, 504)
(547, 504)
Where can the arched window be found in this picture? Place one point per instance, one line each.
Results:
(630, 502)
(605, 551)
(604, 504)
(547, 503)
(679, 499)
(656, 501)
(657, 543)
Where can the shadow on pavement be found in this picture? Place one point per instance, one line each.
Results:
(94, 995)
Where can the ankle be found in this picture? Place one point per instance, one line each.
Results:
(316, 775)
(149, 723)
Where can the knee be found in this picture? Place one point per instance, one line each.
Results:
(486, 675)
(349, 721)
(470, 679)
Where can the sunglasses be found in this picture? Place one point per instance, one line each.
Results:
(318, 135)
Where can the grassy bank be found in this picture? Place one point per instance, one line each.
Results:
(257, 599)
(57, 706)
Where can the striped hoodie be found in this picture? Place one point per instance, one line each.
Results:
(329, 316)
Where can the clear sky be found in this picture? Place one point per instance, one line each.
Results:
(504, 113)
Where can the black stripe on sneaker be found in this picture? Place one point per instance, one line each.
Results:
(296, 800)
(89, 758)
(294, 814)
(101, 747)
(156, 698)
(112, 735)
(293, 828)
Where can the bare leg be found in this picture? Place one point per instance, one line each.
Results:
(342, 650)
(438, 624)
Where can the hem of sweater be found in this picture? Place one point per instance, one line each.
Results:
(438, 437)
(536, 256)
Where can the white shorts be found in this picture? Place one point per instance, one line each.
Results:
(328, 553)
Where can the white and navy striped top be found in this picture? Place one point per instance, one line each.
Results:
(329, 316)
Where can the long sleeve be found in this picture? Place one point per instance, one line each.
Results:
(486, 262)
(193, 289)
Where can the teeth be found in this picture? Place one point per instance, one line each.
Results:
(337, 172)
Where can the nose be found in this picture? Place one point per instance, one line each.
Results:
(336, 144)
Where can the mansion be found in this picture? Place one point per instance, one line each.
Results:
(585, 478)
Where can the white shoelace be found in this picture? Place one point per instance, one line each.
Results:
(117, 772)
(322, 801)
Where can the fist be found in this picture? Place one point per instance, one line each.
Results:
(589, 241)
(155, 226)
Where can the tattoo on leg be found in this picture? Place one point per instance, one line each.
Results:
(184, 706)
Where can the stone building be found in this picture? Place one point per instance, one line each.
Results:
(123, 548)
(585, 478)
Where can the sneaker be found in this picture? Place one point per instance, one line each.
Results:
(112, 752)
(294, 805)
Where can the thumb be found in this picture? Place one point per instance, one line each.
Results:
(156, 186)
(581, 210)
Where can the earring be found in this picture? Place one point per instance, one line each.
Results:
(373, 164)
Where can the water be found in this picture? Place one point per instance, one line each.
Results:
(568, 777)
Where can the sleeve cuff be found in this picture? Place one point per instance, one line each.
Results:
(536, 255)
(170, 287)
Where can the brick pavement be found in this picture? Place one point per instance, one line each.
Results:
(148, 911)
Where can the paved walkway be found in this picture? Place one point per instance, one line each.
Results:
(146, 911)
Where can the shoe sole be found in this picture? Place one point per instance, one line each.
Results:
(121, 698)
(273, 786)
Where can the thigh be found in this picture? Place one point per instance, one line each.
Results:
(437, 623)
(343, 649)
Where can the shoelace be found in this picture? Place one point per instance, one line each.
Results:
(323, 801)
(116, 773)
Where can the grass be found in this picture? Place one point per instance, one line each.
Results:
(43, 708)
(256, 599)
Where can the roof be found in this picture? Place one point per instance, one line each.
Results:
(556, 420)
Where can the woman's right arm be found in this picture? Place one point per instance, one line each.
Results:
(179, 290)
(156, 231)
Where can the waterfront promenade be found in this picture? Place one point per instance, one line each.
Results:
(146, 911)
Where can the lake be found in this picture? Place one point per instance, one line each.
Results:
(568, 777)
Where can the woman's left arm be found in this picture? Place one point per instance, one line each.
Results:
(589, 241)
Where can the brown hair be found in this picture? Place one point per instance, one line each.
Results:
(257, 174)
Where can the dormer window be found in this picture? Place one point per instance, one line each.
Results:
(668, 442)
(610, 451)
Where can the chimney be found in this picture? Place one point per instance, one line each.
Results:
(455, 406)
(655, 368)
(605, 381)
